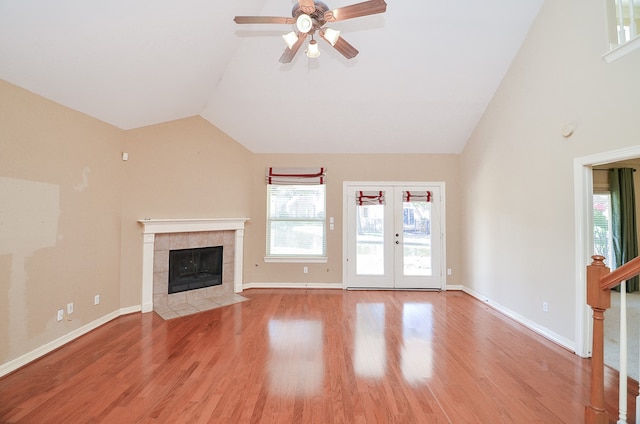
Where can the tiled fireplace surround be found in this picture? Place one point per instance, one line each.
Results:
(163, 235)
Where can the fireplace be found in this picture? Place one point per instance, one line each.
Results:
(163, 235)
(197, 268)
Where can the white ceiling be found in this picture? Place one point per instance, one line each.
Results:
(425, 73)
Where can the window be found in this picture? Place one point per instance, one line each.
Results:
(296, 217)
(602, 236)
(296, 220)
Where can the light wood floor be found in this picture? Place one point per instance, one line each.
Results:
(309, 356)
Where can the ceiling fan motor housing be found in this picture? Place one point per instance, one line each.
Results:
(317, 16)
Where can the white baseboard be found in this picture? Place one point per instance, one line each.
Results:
(131, 309)
(257, 285)
(61, 341)
(147, 307)
(533, 326)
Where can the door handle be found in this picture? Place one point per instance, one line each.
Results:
(397, 242)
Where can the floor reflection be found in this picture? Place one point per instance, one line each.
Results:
(417, 334)
(370, 355)
(296, 364)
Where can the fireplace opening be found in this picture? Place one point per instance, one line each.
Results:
(191, 269)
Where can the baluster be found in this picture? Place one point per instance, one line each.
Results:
(622, 382)
(638, 396)
(632, 20)
(622, 35)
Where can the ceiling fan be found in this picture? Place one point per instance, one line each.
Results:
(309, 17)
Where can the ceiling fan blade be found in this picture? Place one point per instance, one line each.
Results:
(307, 6)
(289, 53)
(263, 20)
(346, 49)
(365, 8)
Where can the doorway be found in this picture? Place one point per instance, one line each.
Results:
(583, 190)
(393, 235)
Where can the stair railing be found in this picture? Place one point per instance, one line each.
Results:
(600, 281)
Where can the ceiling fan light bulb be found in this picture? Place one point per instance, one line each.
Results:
(313, 51)
(304, 23)
(331, 35)
(290, 38)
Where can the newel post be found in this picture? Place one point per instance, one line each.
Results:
(599, 300)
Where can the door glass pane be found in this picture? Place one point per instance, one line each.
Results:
(417, 238)
(370, 240)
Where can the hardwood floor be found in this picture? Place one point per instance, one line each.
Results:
(309, 356)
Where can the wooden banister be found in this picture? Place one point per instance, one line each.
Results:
(625, 272)
(599, 284)
(600, 300)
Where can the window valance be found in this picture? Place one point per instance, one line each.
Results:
(370, 198)
(296, 176)
(416, 196)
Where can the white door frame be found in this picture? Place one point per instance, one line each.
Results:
(583, 192)
(443, 227)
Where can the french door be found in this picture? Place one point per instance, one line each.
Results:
(393, 235)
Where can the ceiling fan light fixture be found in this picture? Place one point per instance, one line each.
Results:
(309, 18)
(290, 38)
(304, 23)
(331, 35)
(313, 51)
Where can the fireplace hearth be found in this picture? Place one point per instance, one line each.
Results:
(195, 268)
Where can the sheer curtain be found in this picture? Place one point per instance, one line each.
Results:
(623, 220)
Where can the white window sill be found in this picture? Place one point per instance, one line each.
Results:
(296, 259)
(622, 50)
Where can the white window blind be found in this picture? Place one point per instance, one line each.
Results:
(602, 233)
(296, 217)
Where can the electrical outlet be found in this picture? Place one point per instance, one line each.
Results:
(70, 308)
(96, 299)
(305, 270)
(449, 271)
(545, 307)
(60, 316)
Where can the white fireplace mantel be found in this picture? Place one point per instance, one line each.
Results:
(161, 226)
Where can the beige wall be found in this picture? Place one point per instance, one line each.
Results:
(60, 194)
(340, 168)
(517, 170)
(181, 169)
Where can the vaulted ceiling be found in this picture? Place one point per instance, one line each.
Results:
(425, 72)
